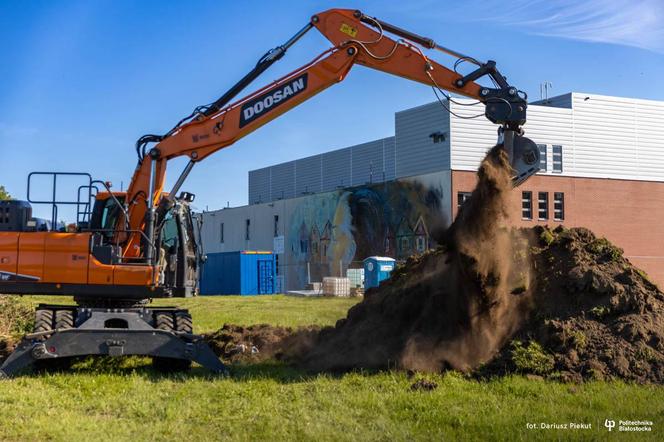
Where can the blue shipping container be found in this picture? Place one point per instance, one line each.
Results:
(377, 269)
(239, 273)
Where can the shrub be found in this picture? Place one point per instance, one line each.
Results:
(531, 358)
(16, 317)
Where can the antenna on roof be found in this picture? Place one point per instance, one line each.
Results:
(544, 90)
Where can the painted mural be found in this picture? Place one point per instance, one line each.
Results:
(333, 230)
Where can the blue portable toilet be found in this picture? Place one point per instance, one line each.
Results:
(247, 272)
(377, 269)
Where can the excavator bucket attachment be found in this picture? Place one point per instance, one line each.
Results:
(523, 154)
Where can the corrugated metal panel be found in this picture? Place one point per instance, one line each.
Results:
(336, 169)
(390, 155)
(373, 161)
(308, 178)
(618, 137)
(601, 137)
(416, 152)
(367, 163)
(259, 186)
(564, 100)
(238, 273)
(221, 274)
(283, 181)
(471, 138)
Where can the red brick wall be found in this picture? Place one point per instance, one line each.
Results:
(629, 213)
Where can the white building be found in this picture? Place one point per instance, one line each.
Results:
(602, 167)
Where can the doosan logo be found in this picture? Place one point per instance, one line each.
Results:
(271, 99)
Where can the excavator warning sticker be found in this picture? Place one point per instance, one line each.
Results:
(264, 103)
(15, 277)
(349, 30)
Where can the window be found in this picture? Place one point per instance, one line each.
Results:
(276, 225)
(462, 197)
(437, 137)
(169, 232)
(421, 244)
(558, 206)
(221, 233)
(543, 205)
(558, 159)
(542, 152)
(247, 227)
(527, 205)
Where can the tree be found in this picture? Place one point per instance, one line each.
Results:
(3, 194)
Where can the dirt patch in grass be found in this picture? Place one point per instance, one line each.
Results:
(258, 343)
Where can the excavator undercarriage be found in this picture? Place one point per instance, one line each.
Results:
(63, 333)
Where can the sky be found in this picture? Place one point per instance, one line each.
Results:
(80, 81)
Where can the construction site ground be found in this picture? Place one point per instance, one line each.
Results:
(125, 399)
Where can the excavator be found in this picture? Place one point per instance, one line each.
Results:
(128, 248)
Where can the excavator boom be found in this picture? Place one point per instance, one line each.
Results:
(357, 39)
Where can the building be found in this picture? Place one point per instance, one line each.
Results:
(602, 161)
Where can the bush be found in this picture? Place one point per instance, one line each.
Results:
(531, 358)
(16, 317)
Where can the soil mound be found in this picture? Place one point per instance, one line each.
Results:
(258, 343)
(490, 300)
(596, 315)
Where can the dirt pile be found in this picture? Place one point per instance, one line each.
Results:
(491, 300)
(258, 343)
(451, 308)
(596, 315)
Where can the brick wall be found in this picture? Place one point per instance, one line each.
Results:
(629, 213)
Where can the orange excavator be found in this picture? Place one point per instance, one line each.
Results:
(128, 248)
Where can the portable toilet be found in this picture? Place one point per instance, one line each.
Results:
(246, 272)
(377, 269)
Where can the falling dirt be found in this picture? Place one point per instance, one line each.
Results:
(490, 300)
(452, 308)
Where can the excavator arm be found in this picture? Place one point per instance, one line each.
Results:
(356, 39)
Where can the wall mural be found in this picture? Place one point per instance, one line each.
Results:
(332, 230)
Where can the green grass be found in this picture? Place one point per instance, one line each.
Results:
(125, 400)
(211, 312)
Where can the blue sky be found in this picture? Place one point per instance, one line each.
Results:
(80, 81)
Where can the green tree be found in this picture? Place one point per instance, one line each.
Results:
(3, 194)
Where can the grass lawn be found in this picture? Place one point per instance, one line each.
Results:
(125, 400)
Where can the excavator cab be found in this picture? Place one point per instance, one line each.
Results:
(111, 291)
